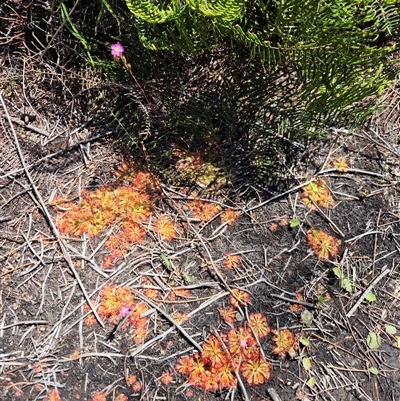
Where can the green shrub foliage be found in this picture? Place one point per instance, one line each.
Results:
(333, 53)
(260, 75)
(336, 47)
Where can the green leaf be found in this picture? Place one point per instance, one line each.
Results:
(373, 340)
(292, 353)
(396, 344)
(306, 318)
(306, 363)
(311, 382)
(337, 272)
(294, 223)
(347, 285)
(373, 370)
(370, 297)
(390, 329)
(304, 341)
(186, 277)
(166, 262)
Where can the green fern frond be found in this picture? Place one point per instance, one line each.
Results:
(225, 10)
(155, 14)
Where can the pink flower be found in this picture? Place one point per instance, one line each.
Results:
(117, 49)
(124, 311)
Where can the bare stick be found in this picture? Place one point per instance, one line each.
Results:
(171, 320)
(28, 322)
(367, 290)
(294, 189)
(292, 301)
(273, 394)
(28, 126)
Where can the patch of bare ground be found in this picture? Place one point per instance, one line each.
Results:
(46, 278)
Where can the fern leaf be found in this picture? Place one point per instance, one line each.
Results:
(225, 10)
(152, 13)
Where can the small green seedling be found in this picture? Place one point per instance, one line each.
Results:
(370, 297)
(374, 341)
(294, 223)
(167, 263)
(292, 353)
(345, 282)
(186, 277)
(373, 370)
(304, 341)
(311, 382)
(306, 318)
(390, 329)
(306, 364)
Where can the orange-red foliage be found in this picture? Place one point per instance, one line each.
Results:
(112, 299)
(181, 292)
(117, 303)
(165, 228)
(127, 173)
(204, 211)
(323, 245)
(53, 395)
(130, 379)
(151, 293)
(296, 307)
(316, 193)
(283, 340)
(256, 371)
(340, 164)
(137, 386)
(231, 261)
(99, 396)
(229, 216)
(166, 378)
(179, 317)
(214, 368)
(259, 324)
(123, 207)
(228, 314)
(241, 298)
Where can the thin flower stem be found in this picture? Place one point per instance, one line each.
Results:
(129, 69)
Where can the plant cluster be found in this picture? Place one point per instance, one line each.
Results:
(118, 303)
(193, 167)
(316, 193)
(226, 355)
(222, 358)
(313, 195)
(323, 245)
(126, 206)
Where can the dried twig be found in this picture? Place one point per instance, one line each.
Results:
(27, 126)
(273, 394)
(293, 301)
(171, 320)
(367, 290)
